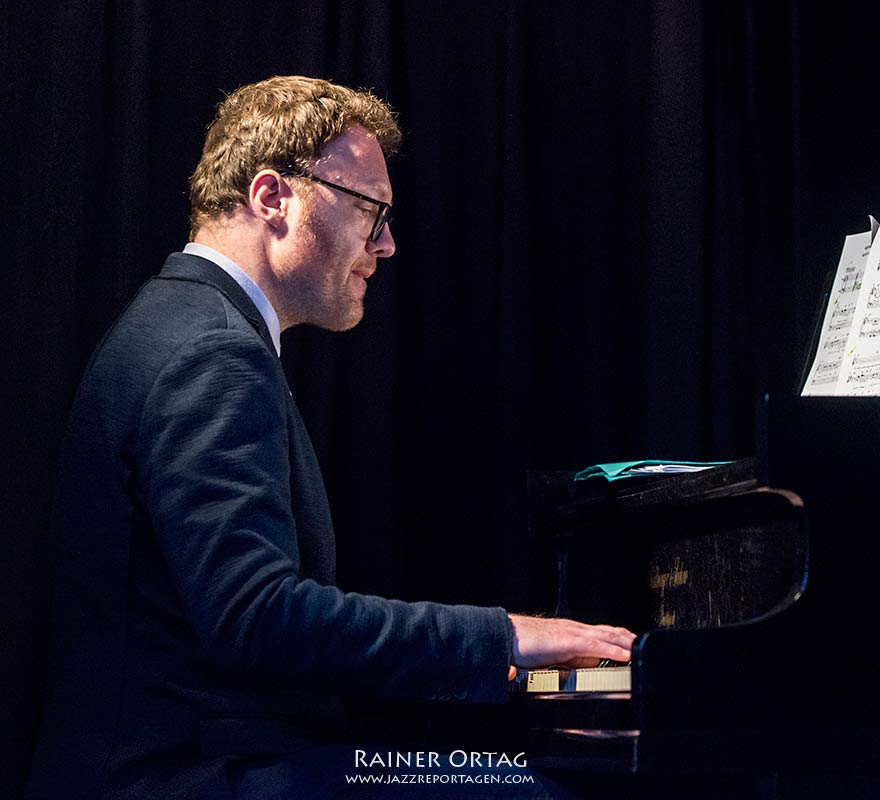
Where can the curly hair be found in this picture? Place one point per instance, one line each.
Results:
(281, 120)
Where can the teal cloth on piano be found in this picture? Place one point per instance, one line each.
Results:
(619, 470)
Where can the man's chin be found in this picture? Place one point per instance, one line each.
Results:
(344, 323)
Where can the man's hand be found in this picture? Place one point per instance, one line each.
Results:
(540, 642)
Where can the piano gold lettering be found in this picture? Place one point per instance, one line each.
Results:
(667, 619)
(666, 580)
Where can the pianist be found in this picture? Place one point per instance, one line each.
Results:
(199, 643)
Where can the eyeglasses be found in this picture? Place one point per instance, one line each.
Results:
(383, 217)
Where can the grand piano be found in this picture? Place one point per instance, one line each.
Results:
(754, 587)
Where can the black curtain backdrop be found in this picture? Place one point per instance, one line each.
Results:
(613, 221)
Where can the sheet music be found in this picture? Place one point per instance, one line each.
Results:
(839, 315)
(860, 370)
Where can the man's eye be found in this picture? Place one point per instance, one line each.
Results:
(365, 211)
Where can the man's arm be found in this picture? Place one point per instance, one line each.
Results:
(213, 469)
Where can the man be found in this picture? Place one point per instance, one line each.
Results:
(197, 631)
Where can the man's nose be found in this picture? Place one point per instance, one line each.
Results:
(384, 246)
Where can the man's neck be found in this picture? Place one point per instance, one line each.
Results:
(250, 286)
(236, 248)
(238, 243)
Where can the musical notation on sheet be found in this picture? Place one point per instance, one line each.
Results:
(839, 315)
(860, 365)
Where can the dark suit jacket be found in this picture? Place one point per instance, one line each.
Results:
(193, 553)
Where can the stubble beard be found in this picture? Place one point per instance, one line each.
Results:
(331, 296)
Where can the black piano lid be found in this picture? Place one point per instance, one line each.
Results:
(557, 502)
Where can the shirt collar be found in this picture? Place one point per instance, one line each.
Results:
(247, 283)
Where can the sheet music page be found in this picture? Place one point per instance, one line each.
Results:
(860, 370)
(839, 315)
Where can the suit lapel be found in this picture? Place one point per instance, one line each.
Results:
(186, 267)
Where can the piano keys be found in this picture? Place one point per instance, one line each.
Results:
(562, 679)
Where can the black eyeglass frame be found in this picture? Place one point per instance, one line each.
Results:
(383, 216)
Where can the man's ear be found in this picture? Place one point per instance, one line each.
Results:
(269, 197)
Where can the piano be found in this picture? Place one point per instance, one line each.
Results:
(755, 590)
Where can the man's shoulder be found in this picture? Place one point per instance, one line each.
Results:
(164, 314)
(168, 313)
(189, 295)
(177, 302)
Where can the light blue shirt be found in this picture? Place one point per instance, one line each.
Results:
(247, 283)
